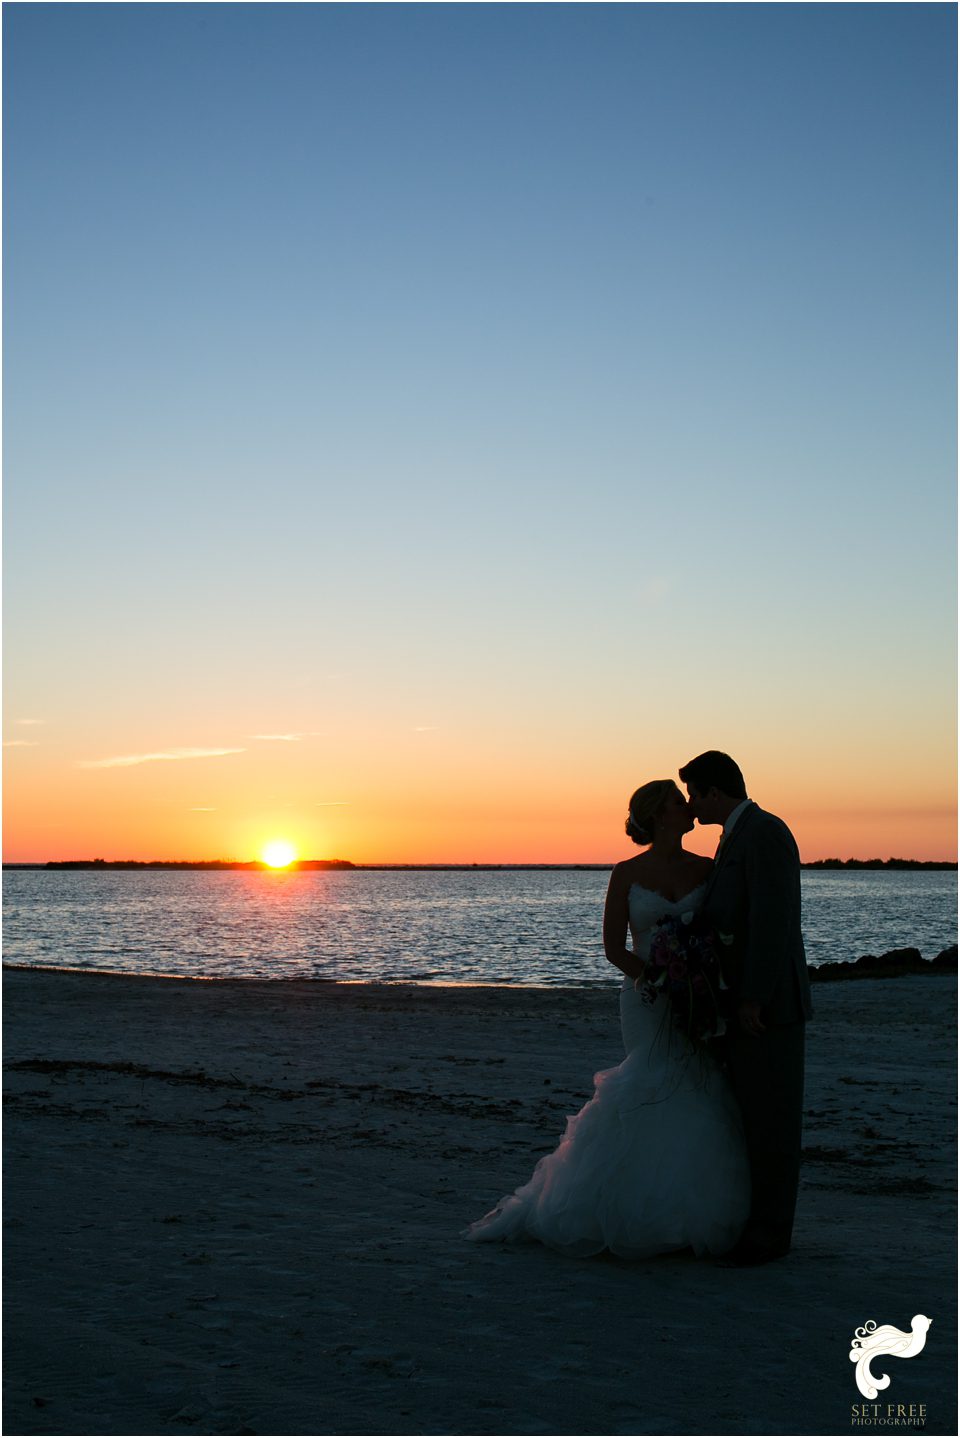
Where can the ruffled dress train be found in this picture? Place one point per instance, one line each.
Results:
(654, 1162)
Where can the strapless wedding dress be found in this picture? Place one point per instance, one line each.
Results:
(655, 1161)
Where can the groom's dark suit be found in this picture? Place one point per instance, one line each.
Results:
(753, 900)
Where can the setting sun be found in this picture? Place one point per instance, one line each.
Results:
(278, 854)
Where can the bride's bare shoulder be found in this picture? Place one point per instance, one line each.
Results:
(626, 872)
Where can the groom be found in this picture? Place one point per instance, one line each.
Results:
(753, 903)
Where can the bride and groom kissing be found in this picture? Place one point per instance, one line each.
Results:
(688, 1144)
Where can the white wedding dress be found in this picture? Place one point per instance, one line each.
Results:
(655, 1161)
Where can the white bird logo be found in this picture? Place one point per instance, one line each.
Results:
(871, 1342)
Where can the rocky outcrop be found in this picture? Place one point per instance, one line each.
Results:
(886, 966)
(946, 960)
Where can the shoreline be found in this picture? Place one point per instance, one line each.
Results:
(893, 965)
(267, 1182)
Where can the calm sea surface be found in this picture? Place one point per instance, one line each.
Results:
(516, 927)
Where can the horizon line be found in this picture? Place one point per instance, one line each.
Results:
(348, 864)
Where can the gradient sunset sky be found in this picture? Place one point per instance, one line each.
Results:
(426, 423)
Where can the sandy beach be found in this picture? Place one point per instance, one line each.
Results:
(235, 1207)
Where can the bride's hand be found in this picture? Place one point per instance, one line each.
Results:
(644, 975)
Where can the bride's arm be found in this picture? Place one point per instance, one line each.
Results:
(616, 922)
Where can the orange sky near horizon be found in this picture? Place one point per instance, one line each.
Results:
(429, 800)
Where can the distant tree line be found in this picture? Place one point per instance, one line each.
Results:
(182, 864)
(879, 864)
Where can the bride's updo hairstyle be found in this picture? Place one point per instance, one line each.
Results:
(645, 805)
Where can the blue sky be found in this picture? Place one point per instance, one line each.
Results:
(491, 356)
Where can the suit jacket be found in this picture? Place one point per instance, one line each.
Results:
(753, 896)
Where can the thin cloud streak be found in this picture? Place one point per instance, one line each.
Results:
(125, 761)
(31, 721)
(21, 743)
(291, 738)
(334, 804)
(201, 810)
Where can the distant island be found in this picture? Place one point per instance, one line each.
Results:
(315, 864)
(181, 864)
(880, 864)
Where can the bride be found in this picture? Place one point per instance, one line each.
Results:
(655, 1161)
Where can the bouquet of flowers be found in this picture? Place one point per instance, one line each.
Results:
(683, 964)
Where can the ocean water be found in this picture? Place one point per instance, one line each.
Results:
(483, 926)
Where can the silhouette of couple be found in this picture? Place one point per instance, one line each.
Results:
(686, 1145)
